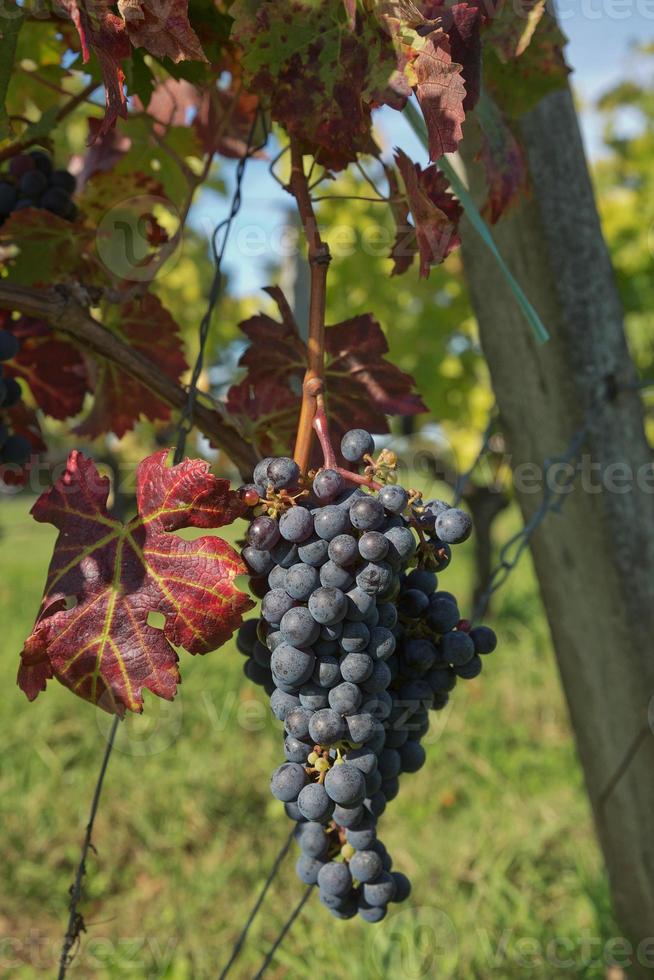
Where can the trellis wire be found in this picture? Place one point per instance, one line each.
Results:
(238, 945)
(75, 919)
(282, 932)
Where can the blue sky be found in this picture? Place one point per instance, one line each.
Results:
(600, 32)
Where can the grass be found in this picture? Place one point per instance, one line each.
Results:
(495, 831)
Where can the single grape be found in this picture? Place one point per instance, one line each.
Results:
(307, 869)
(381, 891)
(356, 444)
(282, 473)
(247, 636)
(393, 498)
(366, 866)
(401, 545)
(361, 728)
(442, 679)
(16, 450)
(412, 756)
(313, 551)
(331, 521)
(261, 654)
(371, 913)
(484, 639)
(387, 615)
(312, 839)
(457, 648)
(313, 696)
(13, 393)
(335, 577)
(276, 604)
(345, 698)
(277, 577)
(301, 580)
(364, 759)
(296, 721)
(298, 626)
(343, 550)
(282, 703)
(295, 750)
(443, 614)
(65, 180)
(419, 653)
(327, 672)
(326, 727)
(422, 579)
(287, 781)
(345, 784)
(7, 197)
(334, 878)
(328, 605)
(381, 644)
(285, 553)
(263, 533)
(9, 345)
(367, 514)
(355, 637)
(373, 546)
(327, 485)
(361, 837)
(291, 665)
(259, 476)
(379, 679)
(258, 562)
(32, 184)
(375, 578)
(471, 669)
(314, 803)
(389, 763)
(348, 817)
(296, 524)
(402, 886)
(453, 526)
(56, 200)
(356, 667)
(293, 812)
(412, 604)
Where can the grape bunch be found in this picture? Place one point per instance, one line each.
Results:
(31, 181)
(13, 448)
(354, 646)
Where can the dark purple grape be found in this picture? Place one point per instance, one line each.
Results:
(263, 533)
(42, 162)
(282, 473)
(32, 184)
(16, 450)
(356, 444)
(65, 180)
(9, 345)
(327, 485)
(56, 199)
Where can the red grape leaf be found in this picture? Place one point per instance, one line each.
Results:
(54, 369)
(101, 31)
(503, 159)
(362, 387)
(435, 212)
(462, 24)
(320, 75)
(162, 27)
(119, 400)
(441, 93)
(105, 577)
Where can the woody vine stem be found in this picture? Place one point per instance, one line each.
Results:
(319, 259)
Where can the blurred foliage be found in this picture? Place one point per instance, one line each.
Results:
(625, 185)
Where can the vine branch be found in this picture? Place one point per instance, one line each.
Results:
(319, 259)
(66, 315)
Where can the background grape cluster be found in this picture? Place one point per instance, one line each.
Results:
(31, 181)
(355, 645)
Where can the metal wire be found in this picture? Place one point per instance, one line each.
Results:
(283, 931)
(219, 240)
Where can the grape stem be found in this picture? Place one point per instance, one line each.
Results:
(319, 259)
(321, 426)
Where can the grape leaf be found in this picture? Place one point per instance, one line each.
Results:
(162, 27)
(10, 25)
(441, 93)
(92, 632)
(503, 159)
(320, 76)
(435, 212)
(53, 369)
(361, 386)
(119, 400)
(101, 31)
(462, 24)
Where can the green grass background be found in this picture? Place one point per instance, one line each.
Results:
(495, 831)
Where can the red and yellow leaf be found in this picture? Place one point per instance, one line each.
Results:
(92, 632)
(435, 213)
